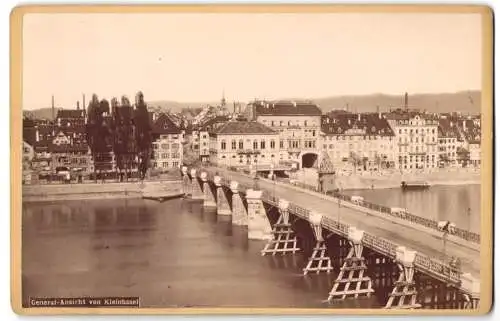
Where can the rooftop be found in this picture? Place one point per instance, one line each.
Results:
(244, 127)
(286, 108)
(372, 124)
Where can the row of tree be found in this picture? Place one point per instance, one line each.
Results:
(122, 129)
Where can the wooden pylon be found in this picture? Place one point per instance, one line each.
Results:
(319, 260)
(284, 239)
(352, 277)
(404, 293)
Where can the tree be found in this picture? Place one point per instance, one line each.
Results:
(142, 134)
(94, 119)
(124, 145)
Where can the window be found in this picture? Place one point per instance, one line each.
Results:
(240, 144)
(305, 122)
(273, 144)
(282, 144)
(262, 144)
(272, 122)
(233, 144)
(314, 133)
(223, 145)
(255, 144)
(165, 164)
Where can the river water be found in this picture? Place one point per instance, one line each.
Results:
(176, 254)
(451, 203)
(171, 254)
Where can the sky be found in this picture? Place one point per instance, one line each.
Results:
(195, 57)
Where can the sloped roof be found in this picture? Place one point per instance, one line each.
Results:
(164, 125)
(245, 127)
(286, 108)
(369, 124)
(447, 128)
(65, 148)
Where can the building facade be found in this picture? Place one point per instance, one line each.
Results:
(244, 143)
(298, 125)
(167, 144)
(358, 142)
(417, 139)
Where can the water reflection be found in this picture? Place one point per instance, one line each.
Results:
(450, 203)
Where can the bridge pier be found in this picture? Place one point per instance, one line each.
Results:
(284, 239)
(208, 195)
(319, 255)
(352, 271)
(223, 207)
(404, 291)
(196, 190)
(239, 213)
(186, 182)
(259, 227)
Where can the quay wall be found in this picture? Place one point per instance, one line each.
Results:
(86, 191)
(393, 180)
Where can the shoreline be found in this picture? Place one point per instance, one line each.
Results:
(394, 181)
(93, 191)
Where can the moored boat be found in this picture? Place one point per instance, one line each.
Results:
(416, 185)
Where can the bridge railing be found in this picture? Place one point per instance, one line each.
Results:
(432, 266)
(404, 215)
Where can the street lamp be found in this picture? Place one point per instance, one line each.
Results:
(446, 227)
(338, 212)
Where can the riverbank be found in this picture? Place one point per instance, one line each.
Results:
(85, 191)
(393, 180)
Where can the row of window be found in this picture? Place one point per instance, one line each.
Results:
(289, 123)
(174, 146)
(422, 158)
(167, 155)
(417, 140)
(166, 164)
(406, 131)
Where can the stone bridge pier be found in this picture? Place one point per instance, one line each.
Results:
(366, 265)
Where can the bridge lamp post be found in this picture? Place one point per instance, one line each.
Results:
(338, 212)
(446, 227)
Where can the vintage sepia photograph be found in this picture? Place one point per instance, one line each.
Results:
(237, 158)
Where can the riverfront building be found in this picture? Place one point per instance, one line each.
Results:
(298, 125)
(243, 143)
(167, 144)
(416, 137)
(358, 142)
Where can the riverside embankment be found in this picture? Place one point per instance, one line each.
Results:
(111, 190)
(393, 180)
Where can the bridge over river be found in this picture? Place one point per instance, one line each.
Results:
(337, 233)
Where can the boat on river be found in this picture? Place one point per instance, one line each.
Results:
(414, 185)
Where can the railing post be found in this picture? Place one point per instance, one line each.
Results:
(222, 202)
(284, 239)
(239, 212)
(404, 291)
(208, 199)
(259, 227)
(196, 191)
(319, 255)
(352, 271)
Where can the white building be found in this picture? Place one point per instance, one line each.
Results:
(417, 139)
(244, 143)
(298, 125)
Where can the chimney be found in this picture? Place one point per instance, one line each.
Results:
(359, 117)
(84, 101)
(77, 105)
(37, 135)
(406, 101)
(53, 111)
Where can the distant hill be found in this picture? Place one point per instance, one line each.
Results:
(464, 101)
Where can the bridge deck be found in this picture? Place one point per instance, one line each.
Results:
(425, 243)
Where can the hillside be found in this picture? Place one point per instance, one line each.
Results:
(467, 102)
(464, 101)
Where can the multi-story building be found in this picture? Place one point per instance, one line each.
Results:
(298, 125)
(360, 142)
(447, 142)
(167, 144)
(244, 143)
(417, 139)
(71, 157)
(470, 136)
(28, 155)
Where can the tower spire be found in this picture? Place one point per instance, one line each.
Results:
(223, 100)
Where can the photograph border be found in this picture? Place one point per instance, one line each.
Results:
(487, 116)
